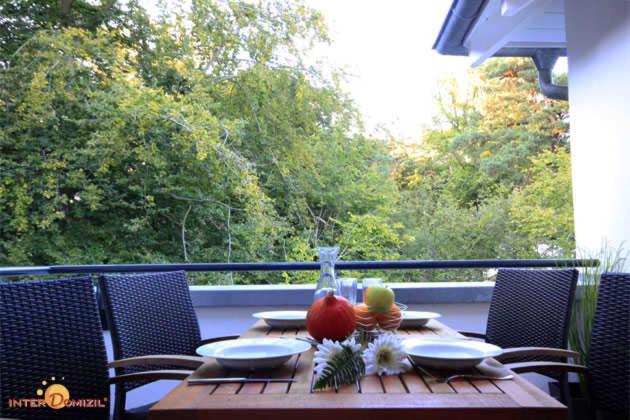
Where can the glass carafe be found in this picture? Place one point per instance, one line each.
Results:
(327, 277)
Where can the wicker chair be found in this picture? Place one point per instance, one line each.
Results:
(608, 362)
(50, 331)
(151, 314)
(529, 317)
(530, 308)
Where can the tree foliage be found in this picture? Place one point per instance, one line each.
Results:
(204, 136)
(493, 178)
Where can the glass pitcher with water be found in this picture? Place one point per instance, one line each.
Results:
(327, 276)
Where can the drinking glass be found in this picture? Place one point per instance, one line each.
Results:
(327, 277)
(369, 282)
(348, 289)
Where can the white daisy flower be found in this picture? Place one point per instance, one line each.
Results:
(350, 342)
(329, 349)
(324, 354)
(385, 356)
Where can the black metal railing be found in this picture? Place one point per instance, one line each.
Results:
(295, 266)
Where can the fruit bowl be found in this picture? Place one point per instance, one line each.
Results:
(388, 321)
(391, 319)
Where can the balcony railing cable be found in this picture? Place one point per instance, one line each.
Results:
(295, 266)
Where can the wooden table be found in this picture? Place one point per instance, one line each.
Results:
(407, 396)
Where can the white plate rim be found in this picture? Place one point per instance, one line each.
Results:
(298, 347)
(490, 349)
(270, 315)
(429, 315)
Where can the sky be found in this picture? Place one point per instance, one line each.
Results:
(385, 47)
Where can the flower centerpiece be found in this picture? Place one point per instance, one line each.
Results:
(338, 363)
(372, 349)
(344, 363)
(385, 356)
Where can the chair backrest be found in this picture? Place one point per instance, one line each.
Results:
(609, 356)
(51, 341)
(149, 314)
(531, 308)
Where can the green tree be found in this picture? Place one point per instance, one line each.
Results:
(196, 137)
(492, 178)
(22, 19)
(542, 211)
(203, 136)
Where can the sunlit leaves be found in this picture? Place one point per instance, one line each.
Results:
(492, 179)
(196, 137)
(204, 137)
(542, 210)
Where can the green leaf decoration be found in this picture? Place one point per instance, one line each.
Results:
(344, 368)
(365, 337)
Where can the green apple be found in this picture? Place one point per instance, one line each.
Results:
(380, 299)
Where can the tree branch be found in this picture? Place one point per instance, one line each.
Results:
(184, 233)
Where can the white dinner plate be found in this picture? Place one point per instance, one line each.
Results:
(414, 319)
(449, 353)
(253, 353)
(283, 319)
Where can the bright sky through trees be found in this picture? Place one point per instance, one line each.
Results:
(386, 46)
(201, 136)
(385, 49)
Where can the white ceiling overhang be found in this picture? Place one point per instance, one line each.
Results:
(520, 24)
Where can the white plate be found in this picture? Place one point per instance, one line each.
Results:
(411, 319)
(253, 353)
(283, 319)
(449, 353)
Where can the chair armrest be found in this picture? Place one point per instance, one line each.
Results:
(215, 339)
(473, 334)
(536, 351)
(545, 367)
(160, 359)
(151, 375)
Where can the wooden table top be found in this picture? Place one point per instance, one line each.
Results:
(406, 396)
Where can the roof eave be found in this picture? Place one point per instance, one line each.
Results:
(461, 19)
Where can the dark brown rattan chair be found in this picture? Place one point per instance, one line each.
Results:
(608, 362)
(530, 308)
(50, 331)
(529, 317)
(151, 314)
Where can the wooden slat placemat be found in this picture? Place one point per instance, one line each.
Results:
(401, 394)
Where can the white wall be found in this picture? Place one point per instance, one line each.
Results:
(598, 37)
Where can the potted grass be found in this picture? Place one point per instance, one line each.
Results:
(610, 260)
